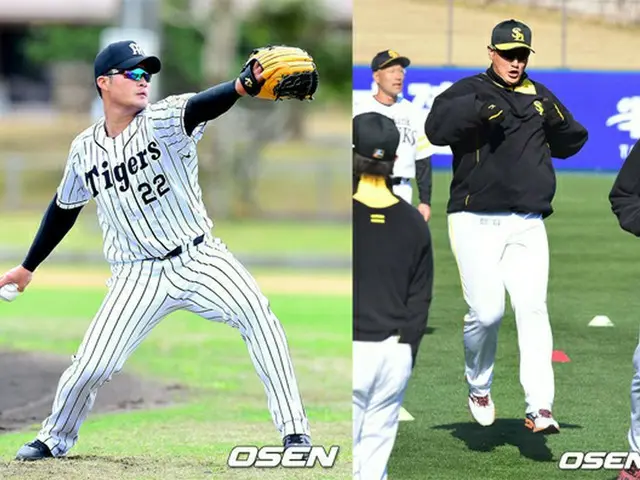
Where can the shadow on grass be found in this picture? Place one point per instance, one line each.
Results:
(506, 431)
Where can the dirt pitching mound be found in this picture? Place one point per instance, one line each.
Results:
(28, 383)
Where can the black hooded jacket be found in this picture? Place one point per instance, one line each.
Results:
(503, 166)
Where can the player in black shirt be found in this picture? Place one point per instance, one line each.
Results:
(392, 288)
(503, 129)
(625, 204)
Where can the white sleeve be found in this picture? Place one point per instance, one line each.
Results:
(362, 104)
(167, 120)
(357, 108)
(72, 191)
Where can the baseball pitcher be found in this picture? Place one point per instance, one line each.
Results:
(139, 163)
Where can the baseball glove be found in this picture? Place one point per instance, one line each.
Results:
(288, 73)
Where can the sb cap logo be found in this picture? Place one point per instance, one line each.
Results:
(393, 53)
(378, 153)
(517, 34)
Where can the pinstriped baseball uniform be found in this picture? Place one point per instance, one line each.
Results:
(149, 203)
(145, 183)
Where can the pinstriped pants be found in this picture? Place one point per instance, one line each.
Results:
(206, 280)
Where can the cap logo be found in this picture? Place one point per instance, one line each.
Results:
(517, 34)
(136, 49)
(393, 53)
(378, 153)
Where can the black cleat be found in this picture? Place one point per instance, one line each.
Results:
(296, 440)
(35, 450)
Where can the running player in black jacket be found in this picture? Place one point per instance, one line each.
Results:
(625, 203)
(392, 284)
(503, 129)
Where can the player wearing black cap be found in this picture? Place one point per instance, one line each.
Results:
(139, 163)
(503, 129)
(414, 151)
(392, 287)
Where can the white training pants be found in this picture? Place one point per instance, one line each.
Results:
(405, 191)
(634, 430)
(206, 280)
(494, 253)
(381, 371)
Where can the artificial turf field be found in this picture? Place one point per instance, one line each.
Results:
(595, 269)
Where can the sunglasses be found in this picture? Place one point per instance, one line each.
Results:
(519, 54)
(136, 74)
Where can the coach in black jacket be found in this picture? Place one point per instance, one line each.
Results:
(503, 129)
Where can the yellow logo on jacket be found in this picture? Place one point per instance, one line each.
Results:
(538, 106)
(377, 218)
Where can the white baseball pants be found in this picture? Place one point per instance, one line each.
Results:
(206, 280)
(405, 191)
(634, 430)
(381, 371)
(494, 253)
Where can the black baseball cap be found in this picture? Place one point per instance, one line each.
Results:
(386, 58)
(124, 55)
(511, 34)
(375, 137)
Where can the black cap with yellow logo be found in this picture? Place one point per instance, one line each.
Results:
(511, 34)
(375, 137)
(388, 58)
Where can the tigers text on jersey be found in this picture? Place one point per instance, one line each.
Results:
(144, 182)
(408, 119)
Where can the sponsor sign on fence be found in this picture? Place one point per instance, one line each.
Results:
(606, 103)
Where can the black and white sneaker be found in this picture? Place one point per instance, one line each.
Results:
(296, 440)
(35, 450)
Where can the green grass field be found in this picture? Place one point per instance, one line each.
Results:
(192, 440)
(595, 269)
(255, 237)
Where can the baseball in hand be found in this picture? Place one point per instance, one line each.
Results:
(9, 292)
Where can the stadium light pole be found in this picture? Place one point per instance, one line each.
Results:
(450, 35)
(563, 36)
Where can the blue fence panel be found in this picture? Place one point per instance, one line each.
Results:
(606, 103)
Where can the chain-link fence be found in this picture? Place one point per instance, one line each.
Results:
(575, 34)
(565, 14)
(303, 179)
(623, 12)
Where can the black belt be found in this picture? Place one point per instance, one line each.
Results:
(177, 251)
(399, 180)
